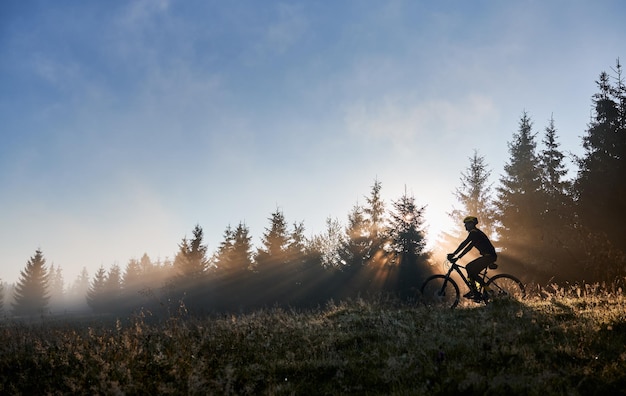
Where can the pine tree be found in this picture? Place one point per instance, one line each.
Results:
(31, 292)
(377, 230)
(272, 253)
(600, 188)
(97, 293)
(408, 244)
(519, 201)
(132, 278)
(191, 260)
(355, 251)
(113, 286)
(57, 287)
(241, 254)
(474, 195)
(222, 260)
(555, 188)
(408, 240)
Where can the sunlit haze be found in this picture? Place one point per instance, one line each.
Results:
(125, 124)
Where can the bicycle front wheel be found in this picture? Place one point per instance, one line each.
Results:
(440, 291)
(504, 286)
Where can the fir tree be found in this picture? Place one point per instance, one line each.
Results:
(474, 195)
(519, 201)
(408, 245)
(191, 260)
(355, 250)
(97, 294)
(241, 252)
(57, 287)
(113, 286)
(31, 292)
(272, 253)
(377, 230)
(600, 188)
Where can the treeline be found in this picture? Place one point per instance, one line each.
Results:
(549, 229)
(380, 250)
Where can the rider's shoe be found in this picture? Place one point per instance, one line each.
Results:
(474, 295)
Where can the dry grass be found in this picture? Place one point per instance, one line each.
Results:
(562, 341)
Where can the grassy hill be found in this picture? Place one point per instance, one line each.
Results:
(566, 341)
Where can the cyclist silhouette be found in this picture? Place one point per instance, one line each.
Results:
(478, 239)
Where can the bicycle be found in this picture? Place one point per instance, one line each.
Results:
(443, 291)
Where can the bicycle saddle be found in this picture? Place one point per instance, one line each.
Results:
(493, 266)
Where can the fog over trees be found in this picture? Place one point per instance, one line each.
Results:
(547, 228)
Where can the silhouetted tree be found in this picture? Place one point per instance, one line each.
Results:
(408, 245)
(520, 199)
(475, 196)
(31, 292)
(272, 252)
(191, 262)
(557, 217)
(600, 186)
(355, 250)
(57, 287)
(113, 287)
(97, 293)
(377, 228)
(132, 278)
(1, 295)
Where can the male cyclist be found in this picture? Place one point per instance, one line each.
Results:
(478, 239)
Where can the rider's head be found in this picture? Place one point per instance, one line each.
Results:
(470, 222)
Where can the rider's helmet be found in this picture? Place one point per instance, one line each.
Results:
(471, 219)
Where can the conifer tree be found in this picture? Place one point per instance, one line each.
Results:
(132, 278)
(355, 251)
(31, 292)
(553, 169)
(57, 287)
(97, 293)
(377, 230)
(474, 195)
(113, 286)
(241, 254)
(600, 187)
(191, 260)
(272, 252)
(519, 200)
(408, 245)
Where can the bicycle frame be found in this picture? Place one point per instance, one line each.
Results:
(454, 267)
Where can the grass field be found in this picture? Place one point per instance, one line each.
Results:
(562, 342)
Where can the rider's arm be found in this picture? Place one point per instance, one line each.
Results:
(465, 244)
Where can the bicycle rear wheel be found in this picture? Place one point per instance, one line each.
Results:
(503, 286)
(440, 291)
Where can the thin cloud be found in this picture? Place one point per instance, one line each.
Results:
(403, 122)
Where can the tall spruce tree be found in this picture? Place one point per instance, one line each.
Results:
(408, 244)
(600, 187)
(31, 292)
(355, 249)
(520, 200)
(97, 293)
(377, 230)
(241, 253)
(191, 260)
(1, 295)
(474, 195)
(271, 255)
(555, 187)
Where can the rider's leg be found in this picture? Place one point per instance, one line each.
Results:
(475, 266)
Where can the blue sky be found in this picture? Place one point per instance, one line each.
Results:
(125, 123)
